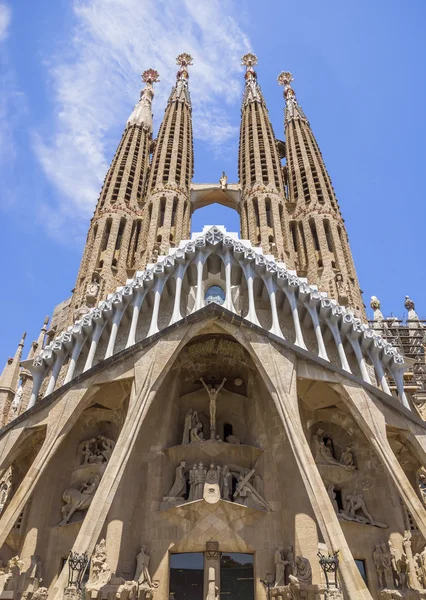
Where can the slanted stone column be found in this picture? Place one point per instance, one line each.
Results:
(367, 413)
(279, 371)
(149, 371)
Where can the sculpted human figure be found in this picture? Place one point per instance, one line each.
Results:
(200, 478)
(378, 563)
(303, 569)
(411, 570)
(142, 575)
(387, 566)
(107, 446)
(178, 488)
(332, 495)
(290, 562)
(226, 488)
(192, 483)
(279, 566)
(190, 422)
(196, 434)
(356, 502)
(78, 499)
(394, 563)
(347, 458)
(213, 394)
(86, 450)
(223, 181)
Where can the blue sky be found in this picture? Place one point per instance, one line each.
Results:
(70, 75)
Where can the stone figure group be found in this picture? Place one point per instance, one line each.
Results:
(355, 508)
(193, 429)
(5, 488)
(213, 482)
(288, 566)
(400, 570)
(324, 452)
(17, 583)
(96, 451)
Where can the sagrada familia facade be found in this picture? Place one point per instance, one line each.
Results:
(211, 415)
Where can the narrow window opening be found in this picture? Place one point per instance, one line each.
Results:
(162, 211)
(314, 234)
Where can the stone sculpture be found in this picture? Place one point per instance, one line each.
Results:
(178, 489)
(78, 499)
(96, 451)
(223, 181)
(215, 484)
(379, 565)
(387, 565)
(191, 420)
(332, 495)
(99, 568)
(41, 593)
(411, 569)
(347, 458)
(356, 510)
(211, 493)
(196, 435)
(232, 439)
(324, 454)
(290, 563)
(213, 393)
(247, 495)
(280, 564)
(303, 569)
(5, 488)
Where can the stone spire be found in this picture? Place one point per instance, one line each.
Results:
(9, 381)
(167, 209)
(113, 245)
(263, 218)
(318, 233)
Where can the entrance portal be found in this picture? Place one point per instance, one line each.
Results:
(236, 576)
(186, 576)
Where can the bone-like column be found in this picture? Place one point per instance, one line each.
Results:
(279, 374)
(149, 370)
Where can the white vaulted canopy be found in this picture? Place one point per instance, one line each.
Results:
(216, 266)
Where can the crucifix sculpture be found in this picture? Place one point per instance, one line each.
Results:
(213, 394)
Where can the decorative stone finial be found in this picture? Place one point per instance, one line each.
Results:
(184, 60)
(249, 60)
(150, 76)
(292, 109)
(22, 342)
(285, 78)
(46, 320)
(409, 304)
(375, 303)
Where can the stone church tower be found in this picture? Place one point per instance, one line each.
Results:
(210, 416)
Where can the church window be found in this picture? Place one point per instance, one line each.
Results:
(107, 231)
(268, 212)
(256, 212)
(120, 234)
(162, 211)
(214, 294)
(293, 229)
(175, 202)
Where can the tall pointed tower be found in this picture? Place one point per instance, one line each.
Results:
(167, 210)
(263, 218)
(113, 244)
(318, 233)
(9, 382)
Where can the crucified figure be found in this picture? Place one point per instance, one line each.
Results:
(213, 394)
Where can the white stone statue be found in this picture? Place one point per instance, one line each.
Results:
(290, 562)
(223, 181)
(191, 481)
(78, 499)
(387, 566)
(211, 493)
(280, 564)
(5, 488)
(16, 403)
(332, 495)
(142, 575)
(213, 394)
(178, 488)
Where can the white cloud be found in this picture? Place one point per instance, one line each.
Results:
(97, 83)
(5, 17)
